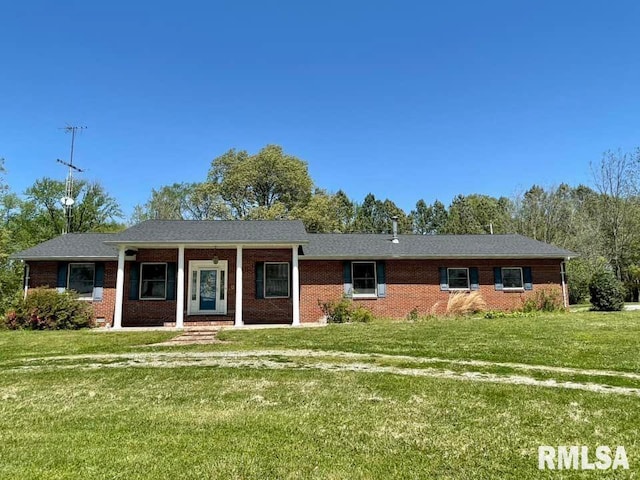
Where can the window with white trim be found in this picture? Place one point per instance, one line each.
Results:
(276, 279)
(153, 281)
(363, 275)
(81, 279)
(458, 278)
(512, 278)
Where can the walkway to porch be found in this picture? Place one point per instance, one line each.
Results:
(212, 328)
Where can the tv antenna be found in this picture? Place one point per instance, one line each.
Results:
(67, 201)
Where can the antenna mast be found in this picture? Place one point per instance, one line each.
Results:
(68, 201)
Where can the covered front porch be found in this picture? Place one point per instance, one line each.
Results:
(194, 285)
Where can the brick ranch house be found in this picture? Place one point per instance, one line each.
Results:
(180, 273)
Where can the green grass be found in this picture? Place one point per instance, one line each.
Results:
(72, 418)
(580, 307)
(582, 340)
(25, 344)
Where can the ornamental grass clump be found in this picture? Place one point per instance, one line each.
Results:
(462, 303)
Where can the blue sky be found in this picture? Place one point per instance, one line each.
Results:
(407, 100)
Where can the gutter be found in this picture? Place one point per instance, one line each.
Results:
(25, 280)
(431, 257)
(56, 259)
(563, 276)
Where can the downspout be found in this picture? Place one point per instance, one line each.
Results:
(563, 274)
(25, 280)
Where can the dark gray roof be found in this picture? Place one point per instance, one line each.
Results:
(213, 231)
(358, 245)
(320, 246)
(72, 245)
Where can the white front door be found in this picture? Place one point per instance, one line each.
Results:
(207, 287)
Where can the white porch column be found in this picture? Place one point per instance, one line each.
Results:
(239, 322)
(117, 314)
(180, 288)
(295, 290)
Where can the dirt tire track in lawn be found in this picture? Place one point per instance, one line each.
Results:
(321, 360)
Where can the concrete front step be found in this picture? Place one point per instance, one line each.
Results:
(203, 324)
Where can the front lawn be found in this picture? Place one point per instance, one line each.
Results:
(25, 343)
(584, 340)
(458, 399)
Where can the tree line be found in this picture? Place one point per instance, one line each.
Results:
(600, 222)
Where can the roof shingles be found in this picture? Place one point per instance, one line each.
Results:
(70, 246)
(221, 231)
(336, 245)
(320, 246)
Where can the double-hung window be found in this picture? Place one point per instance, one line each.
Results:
(364, 279)
(81, 279)
(153, 281)
(276, 280)
(512, 278)
(458, 278)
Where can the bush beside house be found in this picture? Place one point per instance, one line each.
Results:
(545, 300)
(344, 311)
(46, 309)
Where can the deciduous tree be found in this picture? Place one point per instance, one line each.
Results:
(10, 271)
(261, 181)
(616, 180)
(41, 216)
(183, 201)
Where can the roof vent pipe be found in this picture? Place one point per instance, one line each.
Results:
(394, 220)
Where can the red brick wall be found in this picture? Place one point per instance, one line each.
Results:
(106, 307)
(416, 284)
(320, 281)
(45, 274)
(137, 313)
(265, 310)
(410, 284)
